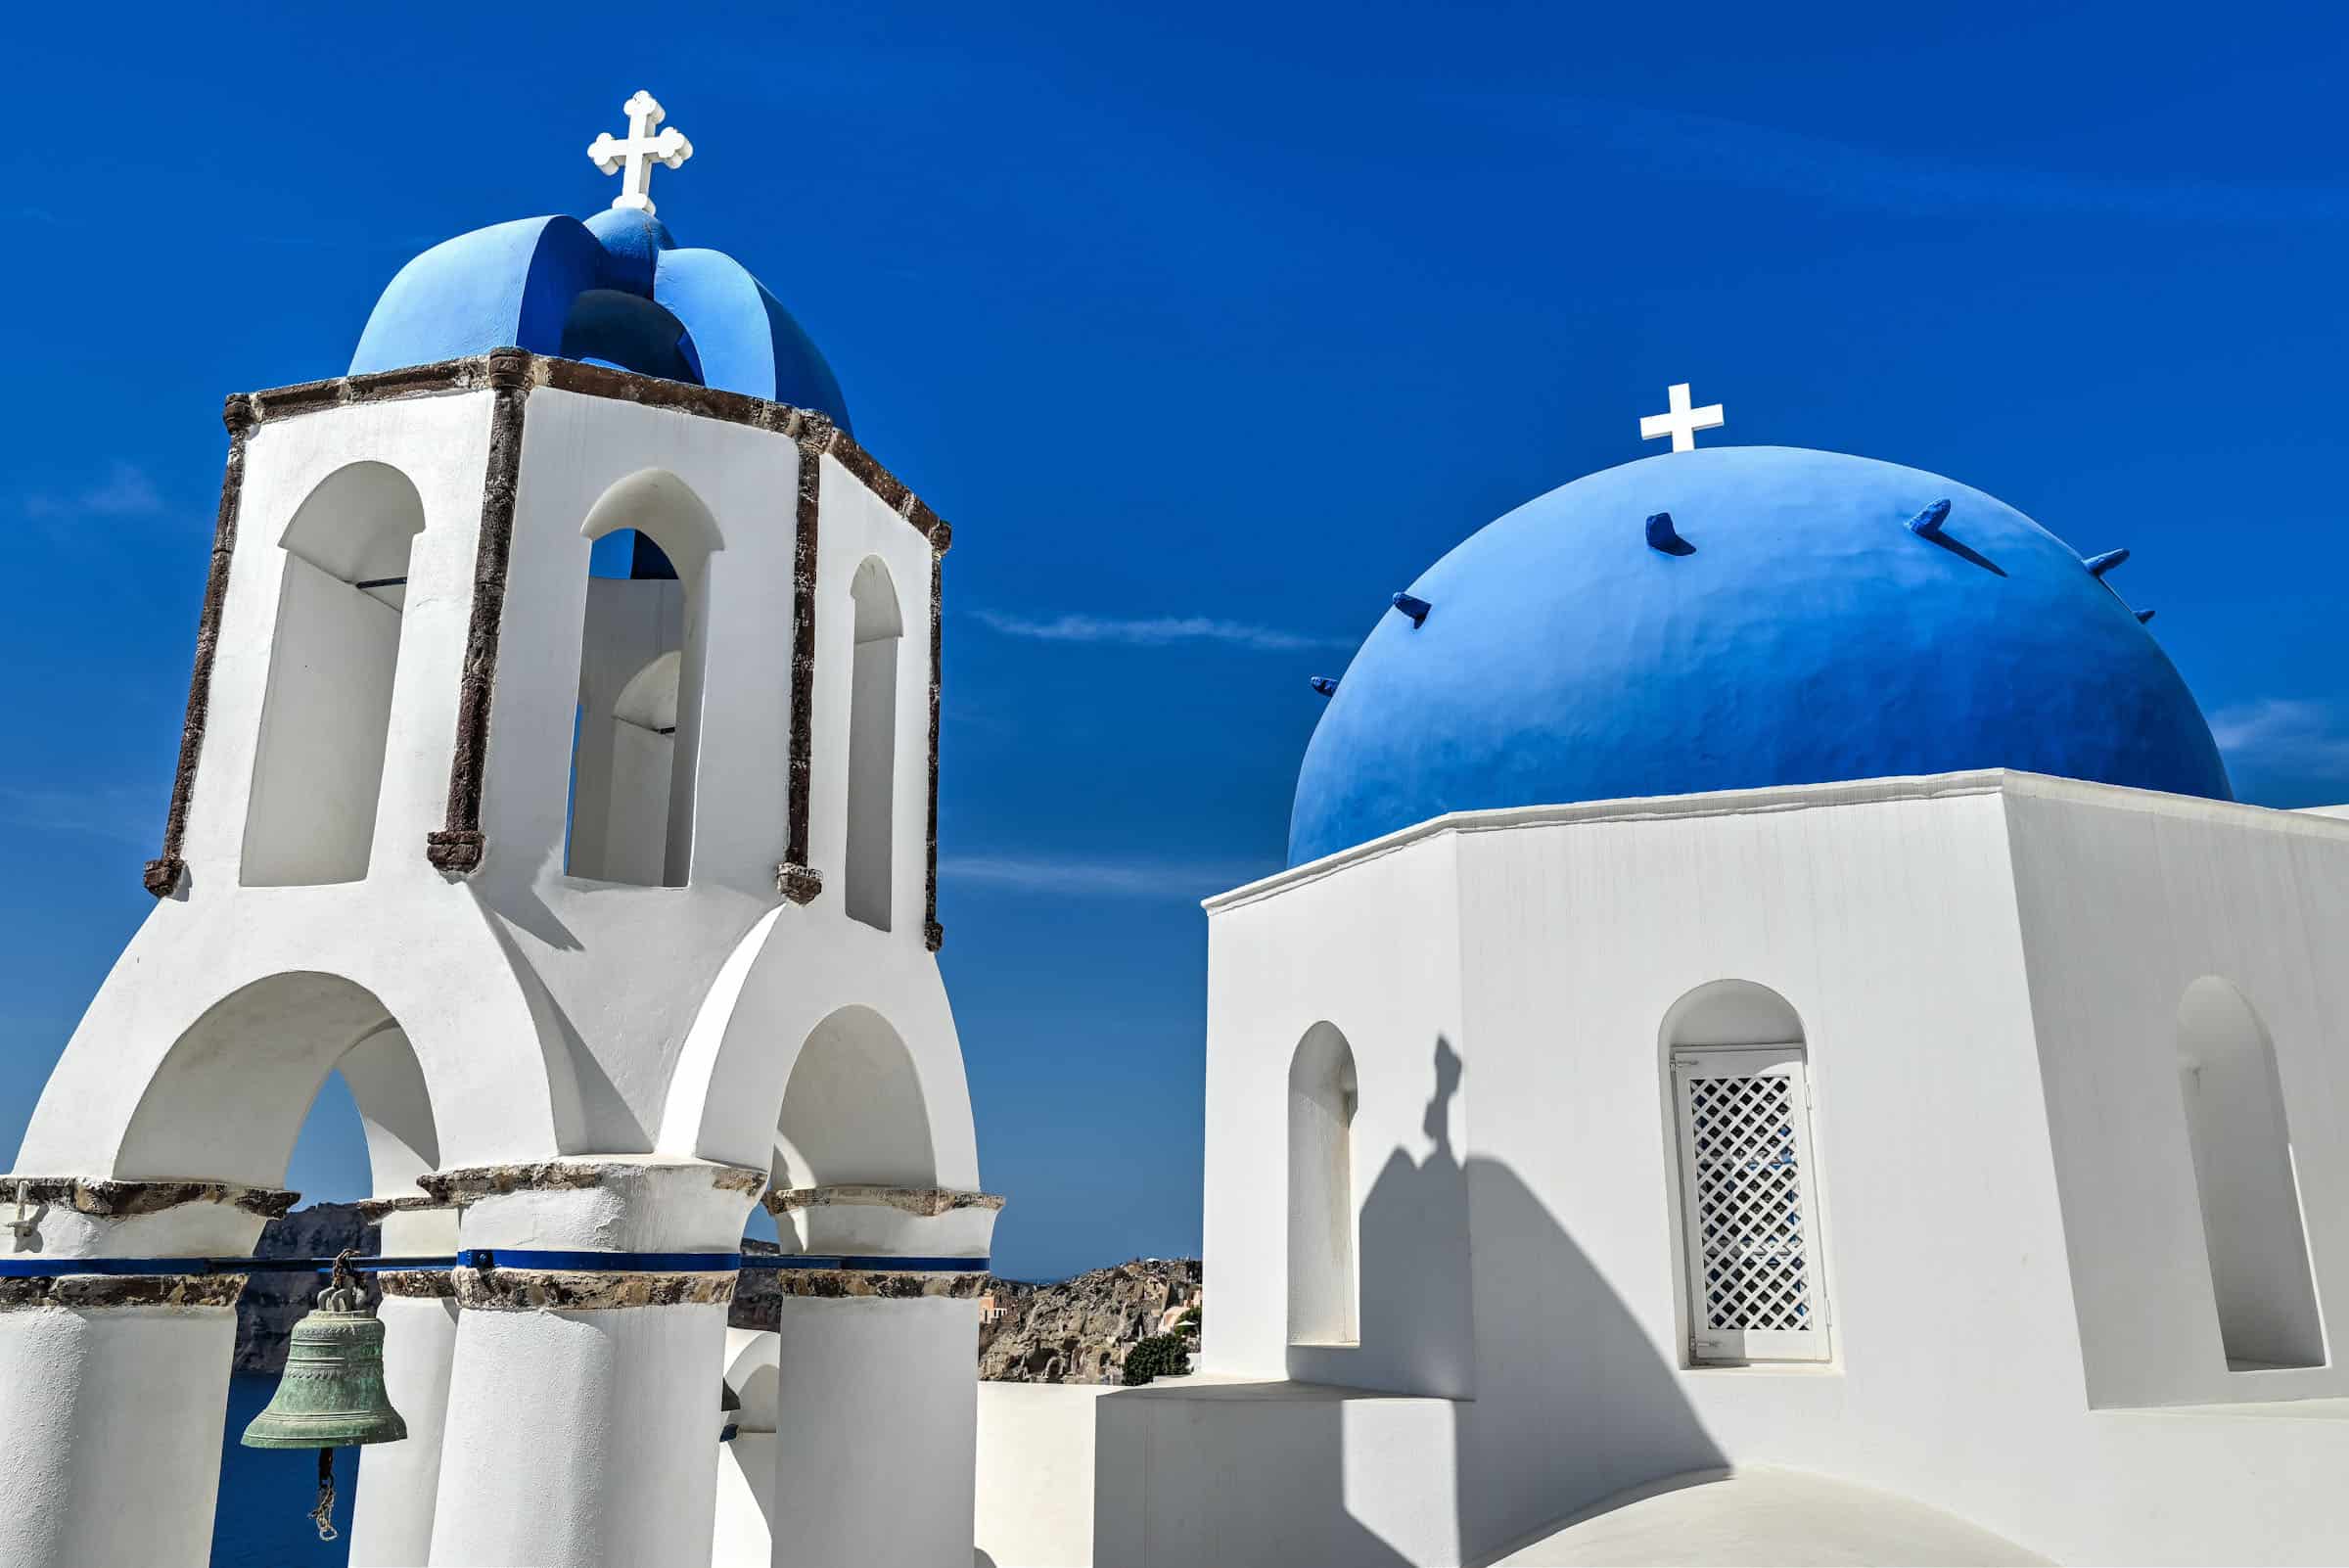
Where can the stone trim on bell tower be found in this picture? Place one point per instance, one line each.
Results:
(458, 846)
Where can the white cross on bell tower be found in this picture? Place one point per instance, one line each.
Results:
(1683, 422)
(639, 152)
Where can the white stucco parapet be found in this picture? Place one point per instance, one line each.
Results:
(2057, 1066)
(1747, 803)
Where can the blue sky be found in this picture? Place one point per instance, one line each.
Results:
(1208, 329)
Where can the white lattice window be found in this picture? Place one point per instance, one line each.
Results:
(1749, 1205)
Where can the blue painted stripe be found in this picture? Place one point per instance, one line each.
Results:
(617, 1263)
(51, 1267)
(653, 1262)
(901, 1265)
(54, 1267)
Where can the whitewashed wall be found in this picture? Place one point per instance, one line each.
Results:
(407, 935)
(2127, 901)
(547, 1013)
(1887, 915)
(1269, 980)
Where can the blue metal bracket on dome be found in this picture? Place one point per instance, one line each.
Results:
(1324, 685)
(2143, 615)
(1663, 536)
(2098, 565)
(1415, 608)
(864, 1264)
(1926, 524)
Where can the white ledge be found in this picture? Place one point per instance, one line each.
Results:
(1782, 797)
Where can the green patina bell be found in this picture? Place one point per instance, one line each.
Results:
(331, 1395)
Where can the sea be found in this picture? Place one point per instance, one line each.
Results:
(264, 1516)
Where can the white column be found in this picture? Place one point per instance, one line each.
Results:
(392, 1518)
(746, 1466)
(113, 1388)
(584, 1403)
(877, 1374)
(878, 1449)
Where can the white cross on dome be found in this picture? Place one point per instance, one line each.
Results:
(638, 152)
(1683, 422)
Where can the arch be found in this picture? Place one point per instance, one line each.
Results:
(2239, 1131)
(232, 1092)
(613, 327)
(872, 745)
(326, 715)
(783, 979)
(396, 1109)
(486, 1039)
(1731, 1013)
(853, 1109)
(643, 638)
(1736, 1082)
(1325, 1289)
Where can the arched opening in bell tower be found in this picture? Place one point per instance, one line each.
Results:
(307, 1077)
(326, 718)
(872, 744)
(637, 736)
(854, 1109)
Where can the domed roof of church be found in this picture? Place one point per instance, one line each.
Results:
(615, 290)
(1787, 626)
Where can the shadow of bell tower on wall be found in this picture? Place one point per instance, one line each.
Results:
(1472, 1285)
(1417, 1292)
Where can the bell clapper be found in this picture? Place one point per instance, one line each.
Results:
(323, 1516)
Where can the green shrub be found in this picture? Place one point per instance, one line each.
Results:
(1159, 1355)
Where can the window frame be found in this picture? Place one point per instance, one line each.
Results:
(1707, 1344)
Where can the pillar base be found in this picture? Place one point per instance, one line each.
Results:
(113, 1388)
(392, 1517)
(877, 1374)
(583, 1403)
(876, 1450)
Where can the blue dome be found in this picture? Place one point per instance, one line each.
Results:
(1805, 634)
(615, 290)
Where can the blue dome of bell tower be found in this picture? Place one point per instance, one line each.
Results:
(615, 290)
(1742, 617)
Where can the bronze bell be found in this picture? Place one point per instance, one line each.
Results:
(331, 1394)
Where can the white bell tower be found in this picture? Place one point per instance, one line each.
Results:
(561, 766)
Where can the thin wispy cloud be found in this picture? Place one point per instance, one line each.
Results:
(125, 491)
(123, 814)
(1153, 632)
(1134, 878)
(1701, 147)
(2285, 735)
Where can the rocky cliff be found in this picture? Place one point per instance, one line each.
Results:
(1079, 1330)
(273, 1301)
(1073, 1331)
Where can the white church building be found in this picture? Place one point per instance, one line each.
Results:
(1774, 1044)
(1778, 1045)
